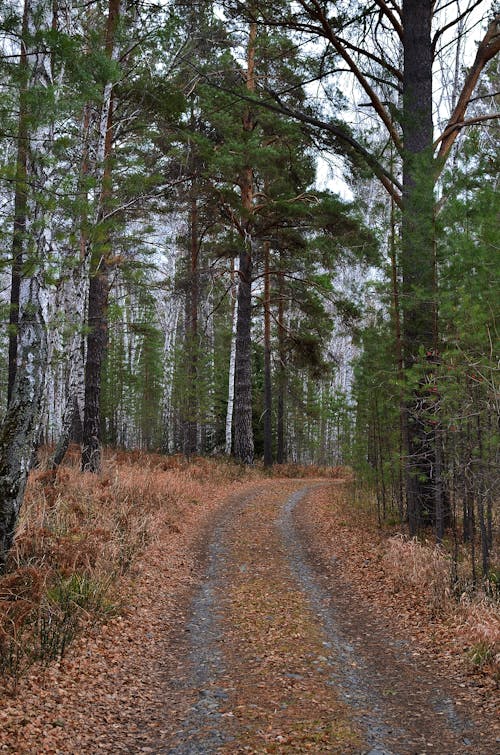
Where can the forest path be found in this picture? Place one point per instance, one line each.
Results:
(275, 658)
(241, 634)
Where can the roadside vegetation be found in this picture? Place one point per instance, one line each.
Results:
(81, 535)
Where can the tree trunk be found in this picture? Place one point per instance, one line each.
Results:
(243, 431)
(68, 423)
(280, 418)
(19, 430)
(191, 334)
(418, 262)
(97, 316)
(97, 341)
(268, 438)
(232, 359)
(20, 208)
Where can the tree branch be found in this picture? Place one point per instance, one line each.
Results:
(384, 116)
(390, 182)
(452, 23)
(469, 122)
(487, 50)
(391, 16)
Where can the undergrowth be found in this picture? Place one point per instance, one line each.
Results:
(441, 579)
(79, 534)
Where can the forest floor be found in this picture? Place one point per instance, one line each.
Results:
(261, 620)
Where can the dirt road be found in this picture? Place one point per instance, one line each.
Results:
(238, 636)
(276, 658)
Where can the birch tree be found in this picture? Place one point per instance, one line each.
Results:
(35, 244)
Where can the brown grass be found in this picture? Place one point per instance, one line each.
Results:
(79, 533)
(422, 566)
(426, 569)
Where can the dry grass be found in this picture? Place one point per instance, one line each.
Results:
(428, 570)
(308, 471)
(79, 533)
(478, 621)
(422, 566)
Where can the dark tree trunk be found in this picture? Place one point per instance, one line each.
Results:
(243, 432)
(418, 259)
(20, 209)
(280, 416)
(97, 317)
(97, 341)
(268, 430)
(192, 297)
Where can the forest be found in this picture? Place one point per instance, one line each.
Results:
(266, 231)
(249, 305)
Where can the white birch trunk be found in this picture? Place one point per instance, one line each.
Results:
(19, 431)
(232, 362)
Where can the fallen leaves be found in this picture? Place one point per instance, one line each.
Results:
(358, 551)
(105, 694)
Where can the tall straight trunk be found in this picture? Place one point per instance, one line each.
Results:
(232, 359)
(33, 231)
(97, 341)
(72, 421)
(268, 438)
(72, 416)
(280, 418)
(243, 431)
(480, 486)
(419, 332)
(19, 430)
(20, 209)
(169, 319)
(97, 315)
(192, 303)
(398, 344)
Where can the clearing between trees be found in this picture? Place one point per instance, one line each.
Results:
(259, 615)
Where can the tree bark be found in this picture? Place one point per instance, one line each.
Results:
(268, 437)
(97, 341)
(243, 431)
(97, 316)
(19, 429)
(191, 332)
(20, 209)
(33, 229)
(418, 259)
(280, 419)
(232, 360)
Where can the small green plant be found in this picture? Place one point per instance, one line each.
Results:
(492, 584)
(80, 591)
(480, 654)
(61, 612)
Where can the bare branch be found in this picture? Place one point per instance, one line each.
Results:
(462, 124)
(452, 23)
(391, 16)
(390, 183)
(339, 46)
(487, 50)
